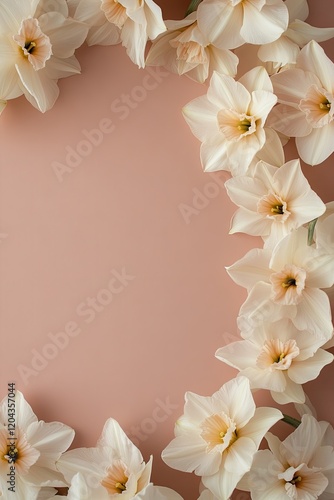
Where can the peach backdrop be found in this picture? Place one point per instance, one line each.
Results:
(134, 212)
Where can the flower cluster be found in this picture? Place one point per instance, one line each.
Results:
(34, 461)
(285, 322)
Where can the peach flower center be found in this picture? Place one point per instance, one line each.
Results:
(218, 430)
(34, 45)
(277, 355)
(116, 479)
(273, 206)
(235, 125)
(114, 12)
(288, 285)
(317, 106)
(17, 451)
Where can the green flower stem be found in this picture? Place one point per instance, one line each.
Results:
(290, 420)
(193, 6)
(311, 227)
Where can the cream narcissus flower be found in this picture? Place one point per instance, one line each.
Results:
(279, 358)
(283, 52)
(307, 110)
(231, 23)
(273, 201)
(286, 282)
(300, 467)
(80, 490)
(37, 48)
(115, 464)
(34, 451)
(183, 49)
(229, 120)
(217, 436)
(131, 22)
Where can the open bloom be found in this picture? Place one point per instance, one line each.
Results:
(286, 282)
(183, 49)
(229, 120)
(131, 22)
(80, 490)
(115, 464)
(230, 23)
(307, 110)
(300, 467)
(283, 52)
(36, 49)
(279, 358)
(217, 436)
(33, 450)
(273, 201)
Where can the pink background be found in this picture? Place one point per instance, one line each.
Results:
(121, 207)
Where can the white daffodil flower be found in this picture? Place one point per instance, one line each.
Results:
(217, 436)
(80, 490)
(231, 23)
(306, 94)
(282, 53)
(273, 201)
(279, 358)
(286, 282)
(183, 49)
(33, 451)
(115, 464)
(131, 22)
(300, 467)
(229, 120)
(36, 49)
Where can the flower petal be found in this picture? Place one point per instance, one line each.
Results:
(201, 116)
(302, 372)
(272, 19)
(317, 146)
(188, 454)
(263, 419)
(41, 92)
(221, 23)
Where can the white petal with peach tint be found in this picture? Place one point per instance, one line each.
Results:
(298, 9)
(201, 116)
(264, 25)
(283, 51)
(43, 91)
(226, 93)
(292, 85)
(221, 23)
(251, 268)
(302, 33)
(314, 59)
(272, 152)
(301, 373)
(289, 120)
(317, 146)
(213, 154)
